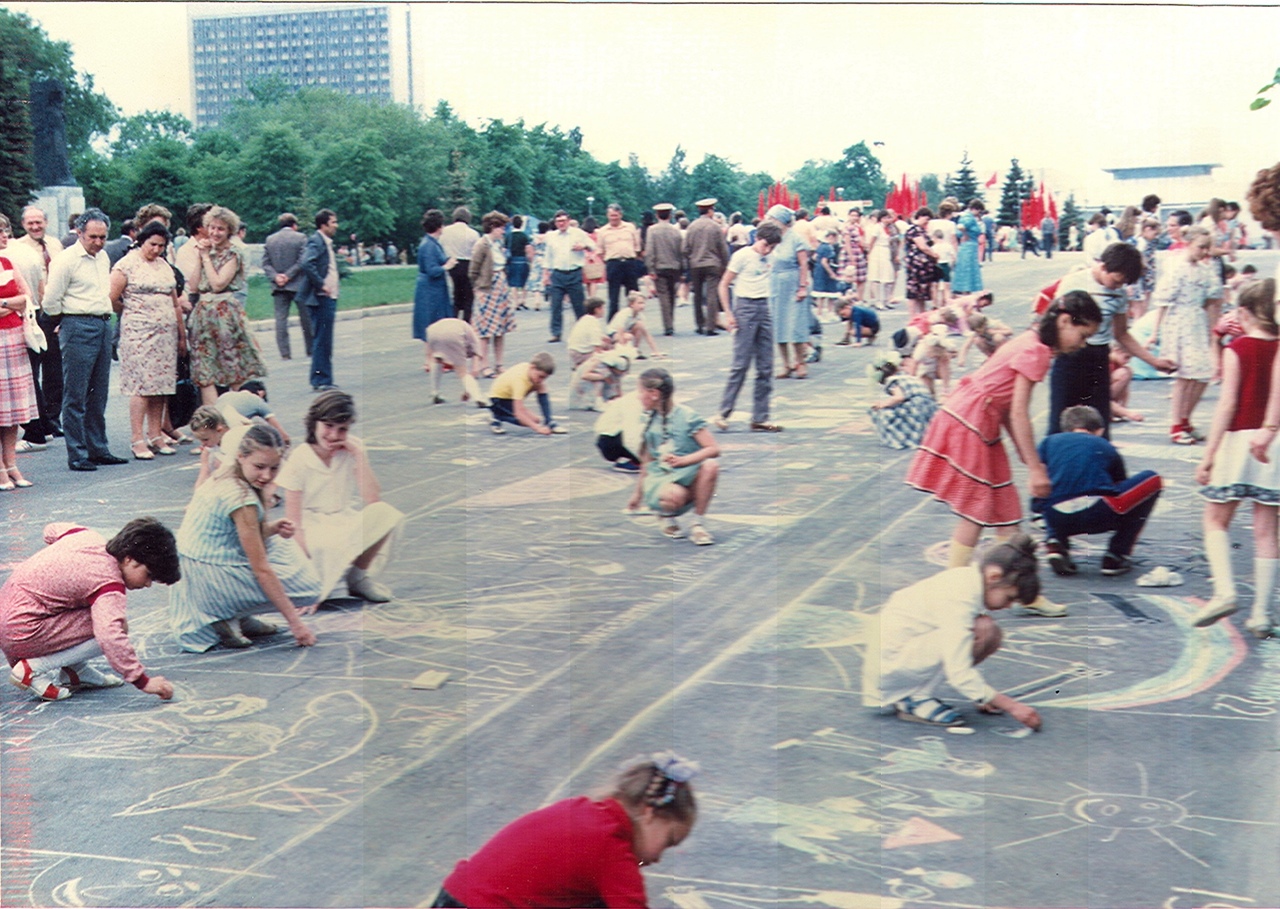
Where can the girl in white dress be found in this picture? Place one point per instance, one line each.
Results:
(333, 499)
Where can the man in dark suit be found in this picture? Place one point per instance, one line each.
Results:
(282, 264)
(320, 292)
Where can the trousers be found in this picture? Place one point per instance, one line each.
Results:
(753, 342)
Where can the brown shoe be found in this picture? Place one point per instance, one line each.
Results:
(765, 427)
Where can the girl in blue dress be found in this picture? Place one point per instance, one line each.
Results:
(678, 460)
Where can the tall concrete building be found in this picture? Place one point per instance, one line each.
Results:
(346, 48)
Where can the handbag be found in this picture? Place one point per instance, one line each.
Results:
(32, 332)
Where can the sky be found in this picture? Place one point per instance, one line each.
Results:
(1067, 89)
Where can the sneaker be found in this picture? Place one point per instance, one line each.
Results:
(625, 466)
(1113, 564)
(82, 675)
(437, 399)
(1182, 437)
(670, 529)
(42, 686)
(700, 536)
(558, 430)
(1059, 556)
(765, 427)
(1194, 433)
(720, 423)
(1216, 608)
(24, 445)
(497, 428)
(1045, 607)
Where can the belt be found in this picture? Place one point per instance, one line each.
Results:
(87, 315)
(567, 271)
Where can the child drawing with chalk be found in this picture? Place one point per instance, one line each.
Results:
(66, 605)
(939, 630)
(583, 851)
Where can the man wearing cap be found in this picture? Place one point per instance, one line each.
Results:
(620, 245)
(565, 252)
(663, 254)
(707, 253)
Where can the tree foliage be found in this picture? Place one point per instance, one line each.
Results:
(964, 185)
(34, 56)
(1012, 195)
(857, 172)
(1069, 217)
(17, 173)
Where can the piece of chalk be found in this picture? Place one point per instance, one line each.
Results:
(430, 680)
(1020, 733)
(960, 730)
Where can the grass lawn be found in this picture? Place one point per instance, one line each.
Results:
(364, 287)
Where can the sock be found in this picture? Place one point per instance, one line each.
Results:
(544, 403)
(85, 650)
(1217, 546)
(1264, 582)
(960, 555)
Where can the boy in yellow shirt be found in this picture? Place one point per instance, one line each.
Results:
(507, 394)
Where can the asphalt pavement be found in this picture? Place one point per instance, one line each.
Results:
(575, 637)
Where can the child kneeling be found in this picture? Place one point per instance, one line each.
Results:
(938, 630)
(1091, 493)
(66, 605)
(507, 394)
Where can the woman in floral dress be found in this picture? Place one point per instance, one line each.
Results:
(144, 292)
(222, 350)
(855, 252)
(921, 262)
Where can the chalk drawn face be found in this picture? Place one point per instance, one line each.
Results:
(1128, 812)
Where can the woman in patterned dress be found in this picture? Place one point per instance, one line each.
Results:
(968, 272)
(152, 335)
(494, 316)
(901, 418)
(1189, 297)
(921, 262)
(17, 390)
(855, 252)
(222, 350)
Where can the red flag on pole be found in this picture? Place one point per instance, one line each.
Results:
(760, 206)
(992, 182)
(1053, 208)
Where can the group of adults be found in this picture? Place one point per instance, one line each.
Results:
(181, 316)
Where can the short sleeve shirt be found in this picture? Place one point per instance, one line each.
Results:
(208, 532)
(1112, 302)
(514, 384)
(753, 271)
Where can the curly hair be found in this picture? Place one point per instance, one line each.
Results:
(1264, 197)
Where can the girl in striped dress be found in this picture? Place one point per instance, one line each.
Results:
(233, 560)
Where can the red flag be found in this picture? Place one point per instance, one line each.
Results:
(760, 206)
(992, 182)
(795, 201)
(1053, 208)
(831, 194)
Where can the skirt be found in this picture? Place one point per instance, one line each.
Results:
(336, 540)
(17, 390)
(1238, 476)
(904, 426)
(962, 463)
(790, 316)
(222, 350)
(209, 593)
(659, 476)
(493, 317)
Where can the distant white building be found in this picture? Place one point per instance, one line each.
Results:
(1187, 186)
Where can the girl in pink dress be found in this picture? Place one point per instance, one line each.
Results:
(66, 605)
(962, 461)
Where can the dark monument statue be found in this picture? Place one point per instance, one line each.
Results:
(49, 126)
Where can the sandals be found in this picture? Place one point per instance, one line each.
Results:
(670, 529)
(142, 451)
(160, 445)
(489, 373)
(700, 536)
(799, 371)
(786, 373)
(929, 711)
(18, 479)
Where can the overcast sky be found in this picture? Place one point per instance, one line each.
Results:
(1069, 90)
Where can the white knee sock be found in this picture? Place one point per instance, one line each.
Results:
(1264, 582)
(471, 387)
(85, 650)
(1217, 546)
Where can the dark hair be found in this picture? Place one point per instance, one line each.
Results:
(1123, 259)
(1150, 202)
(463, 214)
(589, 224)
(976, 205)
(195, 216)
(324, 216)
(147, 541)
(127, 225)
(432, 220)
(491, 220)
(254, 386)
(769, 232)
(332, 406)
(92, 214)
(152, 229)
(517, 222)
(593, 304)
(560, 213)
(1016, 559)
(923, 213)
(1080, 416)
(1077, 304)
(288, 219)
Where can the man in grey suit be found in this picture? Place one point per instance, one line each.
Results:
(282, 264)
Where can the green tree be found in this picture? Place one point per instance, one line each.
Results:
(721, 179)
(931, 186)
(506, 163)
(17, 170)
(1069, 217)
(1011, 196)
(355, 179)
(964, 185)
(860, 174)
(89, 112)
(149, 126)
(1259, 102)
(274, 166)
(673, 182)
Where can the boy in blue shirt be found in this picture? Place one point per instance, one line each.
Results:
(1091, 493)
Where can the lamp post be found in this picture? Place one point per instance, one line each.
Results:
(591, 200)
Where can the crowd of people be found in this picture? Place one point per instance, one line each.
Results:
(773, 283)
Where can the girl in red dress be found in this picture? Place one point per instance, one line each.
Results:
(962, 461)
(582, 851)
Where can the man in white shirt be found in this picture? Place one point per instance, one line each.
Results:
(459, 240)
(566, 248)
(46, 367)
(750, 270)
(78, 297)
